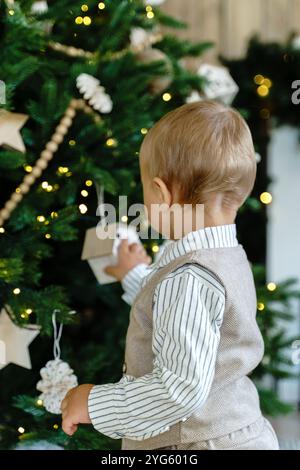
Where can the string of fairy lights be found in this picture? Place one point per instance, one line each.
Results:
(86, 20)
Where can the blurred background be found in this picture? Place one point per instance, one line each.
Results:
(229, 24)
(80, 85)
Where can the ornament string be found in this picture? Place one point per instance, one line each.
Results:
(100, 198)
(57, 336)
(57, 332)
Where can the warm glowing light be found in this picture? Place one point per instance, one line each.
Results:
(83, 208)
(259, 79)
(44, 184)
(266, 198)
(124, 218)
(63, 169)
(28, 168)
(28, 311)
(40, 218)
(89, 183)
(18, 190)
(166, 96)
(2, 229)
(54, 214)
(150, 15)
(79, 20)
(72, 142)
(49, 188)
(84, 8)
(263, 91)
(55, 426)
(47, 236)
(149, 8)
(101, 5)
(144, 131)
(260, 306)
(271, 286)
(17, 291)
(39, 402)
(267, 82)
(21, 430)
(11, 12)
(87, 20)
(111, 142)
(84, 193)
(155, 248)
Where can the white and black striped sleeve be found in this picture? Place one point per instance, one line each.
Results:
(187, 317)
(131, 283)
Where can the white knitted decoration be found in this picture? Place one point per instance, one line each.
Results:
(57, 380)
(57, 376)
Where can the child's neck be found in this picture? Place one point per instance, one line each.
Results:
(214, 217)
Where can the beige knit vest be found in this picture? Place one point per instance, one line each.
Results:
(233, 399)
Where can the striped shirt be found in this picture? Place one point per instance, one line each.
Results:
(188, 309)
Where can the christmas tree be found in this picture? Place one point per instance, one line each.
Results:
(83, 84)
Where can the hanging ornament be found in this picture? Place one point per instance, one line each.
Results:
(57, 376)
(14, 341)
(46, 155)
(101, 243)
(94, 93)
(160, 83)
(101, 247)
(194, 97)
(10, 125)
(220, 85)
(141, 38)
(40, 7)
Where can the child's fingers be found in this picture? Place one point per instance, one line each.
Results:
(68, 426)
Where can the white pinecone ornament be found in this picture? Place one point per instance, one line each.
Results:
(57, 380)
(39, 7)
(94, 93)
(139, 38)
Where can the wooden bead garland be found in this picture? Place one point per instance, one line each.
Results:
(70, 50)
(45, 156)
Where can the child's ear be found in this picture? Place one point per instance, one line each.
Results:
(165, 197)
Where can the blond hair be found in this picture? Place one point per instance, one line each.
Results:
(202, 148)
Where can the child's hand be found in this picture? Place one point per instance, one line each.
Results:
(129, 256)
(74, 408)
